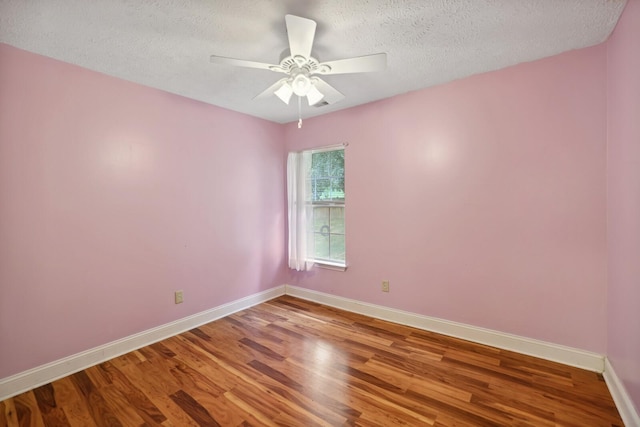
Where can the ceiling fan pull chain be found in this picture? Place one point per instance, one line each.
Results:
(299, 113)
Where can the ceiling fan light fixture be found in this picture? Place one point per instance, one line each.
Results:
(301, 85)
(314, 95)
(284, 93)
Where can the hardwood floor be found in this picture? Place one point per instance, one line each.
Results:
(296, 363)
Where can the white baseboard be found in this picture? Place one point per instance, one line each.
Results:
(625, 406)
(544, 350)
(44, 374)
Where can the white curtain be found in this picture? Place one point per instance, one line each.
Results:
(301, 241)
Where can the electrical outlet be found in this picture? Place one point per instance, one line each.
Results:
(179, 297)
(385, 286)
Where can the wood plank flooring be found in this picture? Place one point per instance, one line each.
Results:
(290, 362)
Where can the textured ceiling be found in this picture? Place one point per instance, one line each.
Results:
(166, 44)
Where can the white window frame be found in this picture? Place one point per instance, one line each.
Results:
(325, 263)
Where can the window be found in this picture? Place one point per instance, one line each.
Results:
(327, 198)
(316, 212)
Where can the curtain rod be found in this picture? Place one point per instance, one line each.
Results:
(328, 147)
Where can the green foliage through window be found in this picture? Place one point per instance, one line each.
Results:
(327, 175)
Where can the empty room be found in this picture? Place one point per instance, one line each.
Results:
(320, 213)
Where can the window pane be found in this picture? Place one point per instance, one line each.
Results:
(322, 246)
(327, 184)
(337, 247)
(321, 189)
(337, 188)
(327, 175)
(337, 220)
(320, 164)
(321, 219)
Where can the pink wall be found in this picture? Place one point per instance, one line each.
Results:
(112, 196)
(623, 207)
(482, 201)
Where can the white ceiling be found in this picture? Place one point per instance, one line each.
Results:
(166, 44)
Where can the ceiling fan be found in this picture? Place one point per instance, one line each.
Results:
(302, 69)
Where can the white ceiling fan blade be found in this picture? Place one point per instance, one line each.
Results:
(361, 64)
(247, 64)
(301, 32)
(331, 95)
(271, 89)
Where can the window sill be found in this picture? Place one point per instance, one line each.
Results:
(330, 265)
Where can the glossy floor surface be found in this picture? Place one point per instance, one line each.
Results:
(296, 363)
